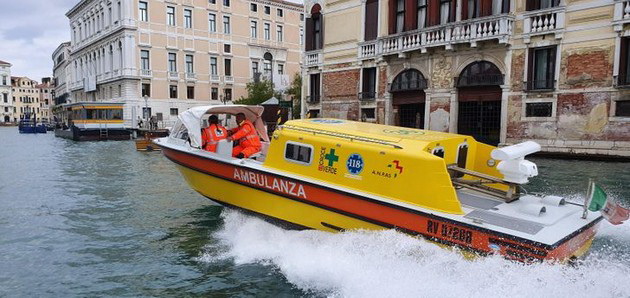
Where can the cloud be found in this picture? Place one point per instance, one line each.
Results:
(30, 30)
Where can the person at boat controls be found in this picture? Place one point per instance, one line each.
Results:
(212, 134)
(246, 134)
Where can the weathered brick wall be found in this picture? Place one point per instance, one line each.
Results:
(518, 70)
(343, 110)
(590, 67)
(341, 85)
(382, 81)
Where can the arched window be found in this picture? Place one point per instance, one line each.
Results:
(408, 80)
(480, 73)
(315, 29)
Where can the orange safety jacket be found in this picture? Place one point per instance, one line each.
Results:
(246, 134)
(212, 135)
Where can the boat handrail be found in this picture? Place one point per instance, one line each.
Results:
(510, 195)
(341, 135)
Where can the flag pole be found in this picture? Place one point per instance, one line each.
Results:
(588, 197)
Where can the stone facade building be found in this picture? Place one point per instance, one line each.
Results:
(504, 71)
(61, 74)
(7, 109)
(26, 98)
(46, 91)
(179, 53)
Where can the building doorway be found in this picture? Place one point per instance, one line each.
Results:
(408, 98)
(479, 96)
(7, 119)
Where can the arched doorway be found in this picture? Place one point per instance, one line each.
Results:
(408, 98)
(479, 97)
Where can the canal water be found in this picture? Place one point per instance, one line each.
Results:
(100, 219)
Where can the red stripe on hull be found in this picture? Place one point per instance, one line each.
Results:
(430, 226)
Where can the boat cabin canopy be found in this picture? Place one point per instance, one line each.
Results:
(91, 111)
(189, 121)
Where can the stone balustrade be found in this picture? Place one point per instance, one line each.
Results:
(497, 27)
(313, 58)
(622, 14)
(545, 21)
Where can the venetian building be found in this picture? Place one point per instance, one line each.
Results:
(61, 74)
(181, 53)
(45, 91)
(26, 98)
(7, 108)
(503, 71)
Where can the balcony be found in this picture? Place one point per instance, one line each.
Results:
(368, 96)
(229, 79)
(541, 22)
(191, 76)
(622, 14)
(215, 78)
(497, 27)
(146, 73)
(313, 58)
(313, 99)
(173, 75)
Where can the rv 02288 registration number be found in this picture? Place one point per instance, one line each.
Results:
(450, 232)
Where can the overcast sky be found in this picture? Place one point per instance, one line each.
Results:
(30, 30)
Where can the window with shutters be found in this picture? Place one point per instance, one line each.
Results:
(422, 14)
(542, 68)
(541, 4)
(400, 16)
(623, 78)
(371, 20)
(314, 29)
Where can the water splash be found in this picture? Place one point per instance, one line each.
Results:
(391, 264)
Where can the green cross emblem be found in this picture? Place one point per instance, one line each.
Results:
(331, 157)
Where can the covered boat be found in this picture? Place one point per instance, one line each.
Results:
(91, 121)
(336, 175)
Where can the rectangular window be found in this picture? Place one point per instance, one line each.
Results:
(280, 12)
(542, 68)
(253, 7)
(368, 114)
(254, 68)
(172, 91)
(226, 24)
(212, 1)
(622, 108)
(226, 3)
(371, 20)
(144, 11)
(170, 15)
(214, 93)
(174, 111)
(298, 153)
(279, 33)
(228, 94)
(541, 4)
(213, 66)
(368, 88)
(146, 112)
(189, 64)
(253, 29)
(146, 90)
(172, 62)
(400, 16)
(301, 17)
(190, 92)
(212, 22)
(314, 87)
(267, 10)
(445, 11)
(267, 31)
(538, 109)
(144, 60)
(187, 18)
(228, 66)
(624, 62)
(267, 68)
(281, 69)
(227, 48)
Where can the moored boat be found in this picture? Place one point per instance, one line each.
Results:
(336, 175)
(91, 121)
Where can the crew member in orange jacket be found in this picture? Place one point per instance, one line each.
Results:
(213, 134)
(248, 137)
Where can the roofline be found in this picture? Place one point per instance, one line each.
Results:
(61, 45)
(5, 63)
(93, 103)
(76, 7)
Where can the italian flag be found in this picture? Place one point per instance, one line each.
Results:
(610, 209)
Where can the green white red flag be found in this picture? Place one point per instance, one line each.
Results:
(609, 208)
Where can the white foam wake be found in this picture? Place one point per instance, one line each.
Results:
(390, 264)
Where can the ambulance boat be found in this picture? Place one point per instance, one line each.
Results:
(337, 175)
